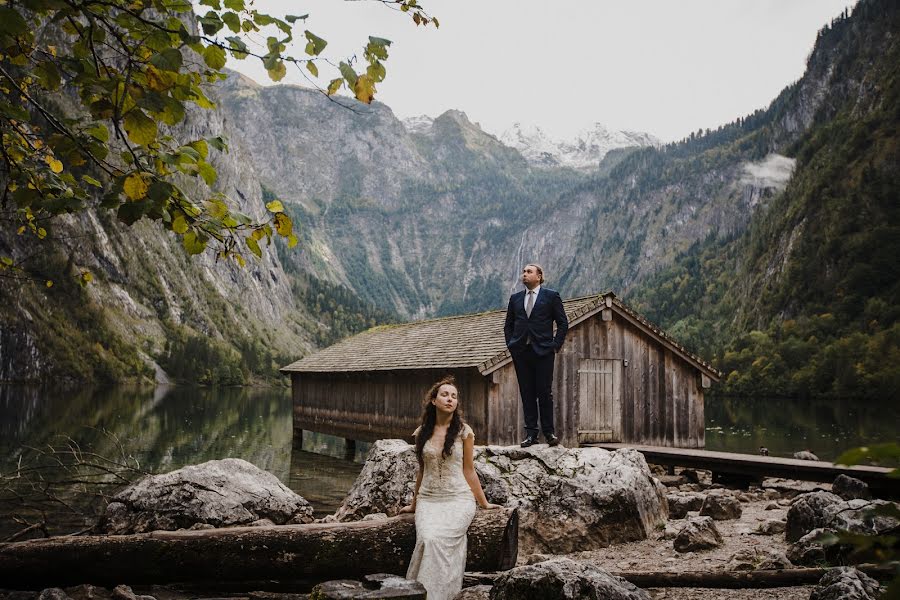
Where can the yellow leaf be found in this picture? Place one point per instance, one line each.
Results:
(49, 284)
(275, 206)
(135, 186)
(334, 86)
(364, 89)
(292, 240)
(55, 165)
(239, 260)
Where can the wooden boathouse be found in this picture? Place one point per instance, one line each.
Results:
(618, 378)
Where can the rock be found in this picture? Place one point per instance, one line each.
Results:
(846, 583)
(385, 484)
(809, 552)
(563, 579)
(569, 499)
(375, 517)
(772, 506)
(825, 510)
(124, 592)
(476, 592)
(261, 523)
(691, 475)
(805, 455)
(807, 512)
(533, 559)
(379, 585)
(721, 507)
(53, 594)
(751, 559)
(681, 503)
(850, 488)
(671, 480)
(88, 592)
(697, 533)
(669, 533)
(220, 493)
(770, 527)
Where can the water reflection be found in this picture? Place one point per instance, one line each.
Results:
(163, 429)
(827, 427)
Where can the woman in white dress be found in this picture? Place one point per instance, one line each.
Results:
(447, 490)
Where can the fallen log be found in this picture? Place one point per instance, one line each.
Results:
(763, 578)
(309, 553)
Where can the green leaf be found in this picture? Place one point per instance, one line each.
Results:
(315, 45)
(348, 74)
(169, 59)
(214, 57)
(237, 5)
(275, 206)
(48, 75)
(179, 224)
(201, 147)
(11, 22)
(312, 68)
(334, 86)
(277, 72)
(207, 172)
(141, 129)
(233, 21)
(238, 47)
(90, 180)
(218, 143)
(376, 71)
(194, 243)
(254, 247)
(211, 23)
(130, 212)
(295, 18)
(213, 3)
(98, 132)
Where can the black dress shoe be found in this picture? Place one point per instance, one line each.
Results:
(529, 441)
(552, 440)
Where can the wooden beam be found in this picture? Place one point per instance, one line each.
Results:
(877, 478)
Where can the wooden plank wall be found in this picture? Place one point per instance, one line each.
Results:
(379, 404)
(662, 403)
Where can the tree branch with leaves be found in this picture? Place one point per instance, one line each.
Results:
(134, 68)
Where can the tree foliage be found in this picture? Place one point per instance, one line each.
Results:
(92, 93)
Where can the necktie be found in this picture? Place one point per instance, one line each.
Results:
(529, 304)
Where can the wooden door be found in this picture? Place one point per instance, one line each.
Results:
(599, 400)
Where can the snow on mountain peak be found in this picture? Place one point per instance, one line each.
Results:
(584, 151)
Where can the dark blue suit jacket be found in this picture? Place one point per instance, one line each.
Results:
(548, 309)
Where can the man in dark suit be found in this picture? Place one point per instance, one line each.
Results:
(529, 336)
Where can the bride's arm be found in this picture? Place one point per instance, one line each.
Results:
(470, 474)
(412, 507)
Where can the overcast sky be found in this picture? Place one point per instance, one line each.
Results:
(659, 66)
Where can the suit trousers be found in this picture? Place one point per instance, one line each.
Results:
(535, 375)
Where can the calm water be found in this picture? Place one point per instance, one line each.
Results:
(159, 430)
(167, 428)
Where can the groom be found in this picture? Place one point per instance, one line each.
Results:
(529, 337)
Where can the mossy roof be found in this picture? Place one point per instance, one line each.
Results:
(473, 340)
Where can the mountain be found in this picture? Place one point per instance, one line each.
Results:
(585, 151)
(768, 245)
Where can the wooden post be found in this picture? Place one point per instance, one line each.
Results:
(349, 449)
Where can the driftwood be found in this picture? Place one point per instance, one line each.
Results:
(763, 578)
(303, 553)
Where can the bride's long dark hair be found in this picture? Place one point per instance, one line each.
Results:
(429, 416)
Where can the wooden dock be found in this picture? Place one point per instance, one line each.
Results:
(749, 467)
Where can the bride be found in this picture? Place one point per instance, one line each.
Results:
(447, 489)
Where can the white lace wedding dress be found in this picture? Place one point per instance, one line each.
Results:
(445, 507)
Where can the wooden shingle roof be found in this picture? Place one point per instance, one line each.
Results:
(474, 340)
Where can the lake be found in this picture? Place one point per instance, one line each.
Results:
(158, 430)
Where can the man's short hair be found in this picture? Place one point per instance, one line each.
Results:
(539, 268)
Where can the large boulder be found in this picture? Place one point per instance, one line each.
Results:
(681, 503)
(807, 512)
(569, 499)
(846, 583)
(697, 533)
(754, 558)
(218, 493)
(563, 579)
(825, 510)
(850, 488)
(721, 507)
